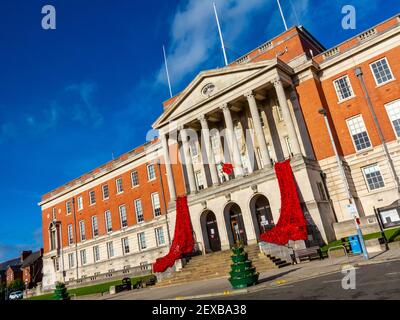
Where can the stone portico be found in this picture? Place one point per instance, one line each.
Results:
(248, 116)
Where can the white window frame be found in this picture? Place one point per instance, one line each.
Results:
(125, 245)
(70, 234)
(68, 207)
(148, 172)
(119, 187)
(95, 224)
(338, 93)
(134, 182)
(153, 204)
(395, 102)
(83, 257)
(108, 191)
(71, 260)
(96, 253)
(373, 73)
(141, 211)
(82, 235)
(92, 194)
(110, 249)
(142, 241)
(159, 236)
(122, 211)
(351, 134)
(288, 146)
(108, 221)
(199, 175)
(79, 203)
(366, 179)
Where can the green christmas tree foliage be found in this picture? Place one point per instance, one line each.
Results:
(61, 292)
(243, 274)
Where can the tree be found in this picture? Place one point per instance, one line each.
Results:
(243, 274)
(16, 285)
(61, 292)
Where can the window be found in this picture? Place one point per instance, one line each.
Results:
(373, 177)
(83, 257)
(110, 249)
(321, 191)
(288, 146)
(120, 188)
(151, 174)
(359, 133)
(68, 207)
(71, 260)
(381, 71)
(134, 178)
(57, 264)
(122, 216)
(193, 149)
(142, 241)
(106, 192)
(54, 215)
(279, 112)
(95, 227)
(96, 253)
(139, 211)
(199, 180)
(393, 111)
(215, 143)
(92, 197)
(108, 221)
(343, 88)
(80, 203)
(160, 236)
(261, 117)
(155, 200)
(82, 230)
(125, 245)
(70, 235)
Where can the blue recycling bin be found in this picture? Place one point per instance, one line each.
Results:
(355, 244)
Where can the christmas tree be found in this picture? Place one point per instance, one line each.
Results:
(61, 292)
(243, 274)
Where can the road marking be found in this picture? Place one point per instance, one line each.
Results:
(330, 281)
(392, 273)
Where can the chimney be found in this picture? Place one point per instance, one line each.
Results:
(25, 254)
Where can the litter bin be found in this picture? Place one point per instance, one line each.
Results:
(355, 244)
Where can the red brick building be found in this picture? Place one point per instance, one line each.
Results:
(280, 92)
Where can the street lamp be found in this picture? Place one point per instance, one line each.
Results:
(351, 206)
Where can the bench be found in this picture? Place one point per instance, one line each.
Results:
(309, 253)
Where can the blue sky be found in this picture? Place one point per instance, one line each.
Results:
(72, 97)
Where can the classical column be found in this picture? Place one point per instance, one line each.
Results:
(287, 118)
(188, 161)
(266, 158)
(209, 152)
(170, 177)
(233, 145)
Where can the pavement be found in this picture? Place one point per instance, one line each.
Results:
(274, 278)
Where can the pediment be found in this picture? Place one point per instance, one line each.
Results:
(207, 86)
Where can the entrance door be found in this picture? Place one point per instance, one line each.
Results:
(212, 232)
(237, 227)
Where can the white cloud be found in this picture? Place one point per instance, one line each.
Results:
(194, 35)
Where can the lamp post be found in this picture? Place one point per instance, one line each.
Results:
(351, 206)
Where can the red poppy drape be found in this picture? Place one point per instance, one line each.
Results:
(292, 223)
(183, 241)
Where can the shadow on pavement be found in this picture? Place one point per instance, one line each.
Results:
(276, 276)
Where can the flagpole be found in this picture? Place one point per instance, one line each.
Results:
(220, 34)
(166, 69)
(283, 17)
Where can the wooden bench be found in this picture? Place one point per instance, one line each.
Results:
(309, 253)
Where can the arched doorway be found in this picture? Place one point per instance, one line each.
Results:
(234, 224)
(261, 214)
(212, 241)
